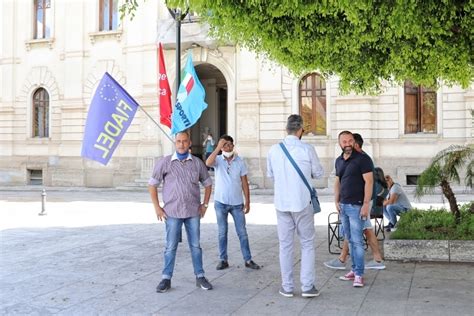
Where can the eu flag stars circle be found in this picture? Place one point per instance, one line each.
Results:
(108, 93)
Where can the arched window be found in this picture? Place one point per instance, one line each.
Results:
(42, 19)
(108, 15)
(420, 109)
(312, 103)
(40, 113)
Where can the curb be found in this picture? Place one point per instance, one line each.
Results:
(429, 250)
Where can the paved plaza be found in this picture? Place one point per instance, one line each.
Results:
(100, 252)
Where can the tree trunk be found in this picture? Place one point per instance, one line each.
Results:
(453, 205)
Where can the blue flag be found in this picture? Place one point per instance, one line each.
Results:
(110, 114)
(190, 100)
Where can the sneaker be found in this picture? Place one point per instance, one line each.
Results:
(335, 264)
(252, 265)
(358, 281)
(203, 283)
(310, 293)
(164, 286)
(374, 265)
(388, 227)
(348, 276)
(285, 293)
(222, 265)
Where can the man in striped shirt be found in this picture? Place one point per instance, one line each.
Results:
(181, 174)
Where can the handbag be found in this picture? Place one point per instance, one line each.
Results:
(312, 191)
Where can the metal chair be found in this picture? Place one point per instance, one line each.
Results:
(334, 235)
(378, 226)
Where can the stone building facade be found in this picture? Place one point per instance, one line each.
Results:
(53, 54)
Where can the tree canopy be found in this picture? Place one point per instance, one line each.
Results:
(363, 42)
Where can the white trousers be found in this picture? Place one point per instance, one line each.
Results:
(303, 224)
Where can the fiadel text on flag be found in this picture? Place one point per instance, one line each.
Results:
(110, 114)
(164, 90)
(190, 100)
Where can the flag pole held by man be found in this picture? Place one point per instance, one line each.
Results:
(110, 114)
(190, 100)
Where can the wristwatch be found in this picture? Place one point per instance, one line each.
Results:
(205, 205)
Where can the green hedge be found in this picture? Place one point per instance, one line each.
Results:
(435, 224)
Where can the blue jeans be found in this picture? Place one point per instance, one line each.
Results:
(353, 230)
(391, 211)
(237, 212)
(173, 233)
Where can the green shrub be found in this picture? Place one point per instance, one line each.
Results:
(435, 224)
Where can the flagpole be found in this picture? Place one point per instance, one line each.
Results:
(151, 118)
(178, 16)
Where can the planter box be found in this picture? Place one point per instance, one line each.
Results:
(429, 250)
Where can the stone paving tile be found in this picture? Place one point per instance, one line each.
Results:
(73, 294)
(27, 309)
(434, 291)
(436, 309)
(385, 306)
(149, 302)
(35, 286)
(436, 270)
(111, 300)
(270, 302)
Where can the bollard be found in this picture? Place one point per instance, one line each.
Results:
(43, 203)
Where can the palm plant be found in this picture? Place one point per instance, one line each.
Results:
(444, 169)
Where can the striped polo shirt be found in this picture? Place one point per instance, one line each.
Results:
(181, 193)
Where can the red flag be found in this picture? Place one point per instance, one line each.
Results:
(164, 90)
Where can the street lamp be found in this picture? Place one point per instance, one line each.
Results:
(178, 15)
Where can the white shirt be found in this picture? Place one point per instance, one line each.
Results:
(291, 194)
(228, 184)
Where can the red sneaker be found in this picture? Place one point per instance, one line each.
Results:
(348, 276)
(358, 281)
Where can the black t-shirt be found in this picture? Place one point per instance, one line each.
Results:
(350, 173)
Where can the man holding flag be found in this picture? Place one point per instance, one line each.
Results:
(180, 174)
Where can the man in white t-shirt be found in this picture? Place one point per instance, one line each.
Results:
(396, 204)
(230, 182)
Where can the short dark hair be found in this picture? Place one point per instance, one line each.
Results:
(227, 138)
(358, 139)
(294, 123)
(344, 133)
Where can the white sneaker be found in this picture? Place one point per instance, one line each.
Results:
(285, 293)
(374, 265)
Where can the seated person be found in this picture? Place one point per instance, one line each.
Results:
(381, 191)
(396, 203)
